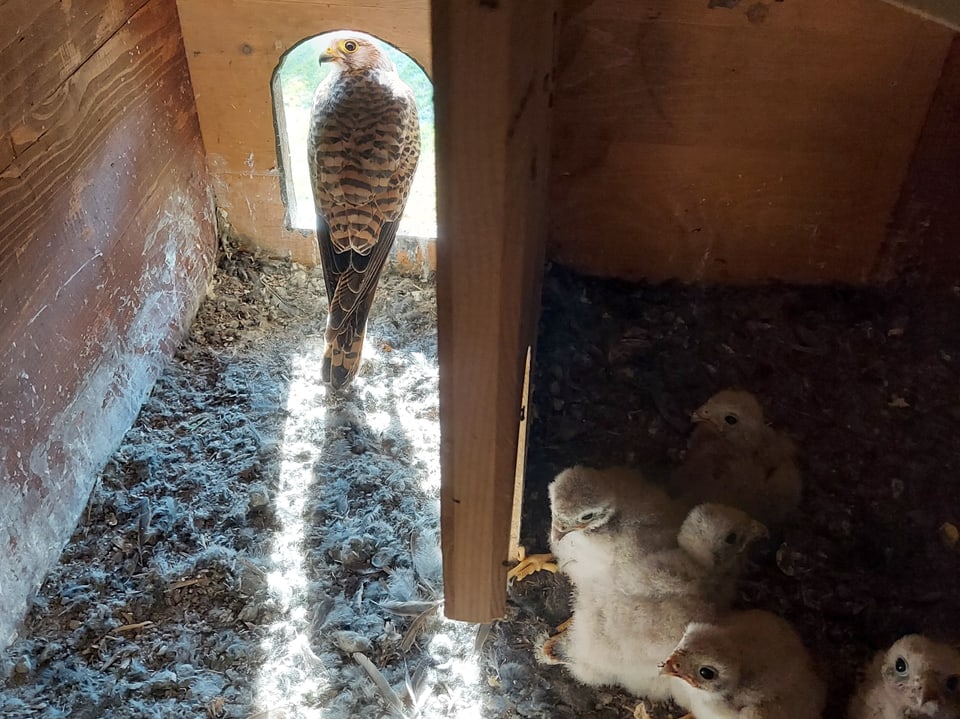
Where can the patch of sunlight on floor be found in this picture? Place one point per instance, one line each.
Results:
(422, 429)
(291, 671)
(292, 675)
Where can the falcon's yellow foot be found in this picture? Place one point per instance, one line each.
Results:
(564, 625)
(529, 565)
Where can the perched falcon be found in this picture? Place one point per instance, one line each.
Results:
(363, 149)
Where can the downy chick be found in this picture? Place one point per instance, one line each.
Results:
(616, 639)
(604, 521)
(709, 556)
(735, 458)
(620, 632)
(916, 677)
(748, 665)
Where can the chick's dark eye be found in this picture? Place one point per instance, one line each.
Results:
(731, 538)
(730, 419)
(350, 46)
(588, 517)
(953, 683)
(708, 673)
(900, 665)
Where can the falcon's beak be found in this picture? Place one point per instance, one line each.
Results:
(328, 55)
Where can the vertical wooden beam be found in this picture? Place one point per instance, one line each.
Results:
(493, 72)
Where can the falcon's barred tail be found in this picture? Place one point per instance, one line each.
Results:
(341, 359)
(350, 299)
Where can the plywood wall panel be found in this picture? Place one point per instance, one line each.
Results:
(106, 243)
(42, 43)
(233, 48)
(763, 141)
(925, 233)
(946, 12)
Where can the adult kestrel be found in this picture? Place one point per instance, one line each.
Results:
(363, 149)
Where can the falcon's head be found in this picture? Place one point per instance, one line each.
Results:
(355, 51)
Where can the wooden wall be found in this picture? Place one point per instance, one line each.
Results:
(924, 238)
(737, 141)
(106, 242)
(233, 47)
(946, 12)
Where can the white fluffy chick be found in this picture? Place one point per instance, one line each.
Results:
(735, 458)
(604, 521)
(621, 631)
(708, 558)
(747, 665)
(615, 639)
(916, 677)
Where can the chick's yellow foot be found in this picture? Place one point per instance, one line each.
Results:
(529, 565)
(641, 712)
(549, 652)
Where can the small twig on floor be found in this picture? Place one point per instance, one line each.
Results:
(134, 627)
(184, 583)
(288, 305)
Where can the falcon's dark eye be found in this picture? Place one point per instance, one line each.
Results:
(953, 683)
(731, 538)
(731, 419)
(350, 46)
(708, 673)
(900, 665)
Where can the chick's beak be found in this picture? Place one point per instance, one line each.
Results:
(929, 692)
(669, 668)
(560, 531)
(703, 416)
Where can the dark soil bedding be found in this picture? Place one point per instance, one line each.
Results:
(865, 380)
